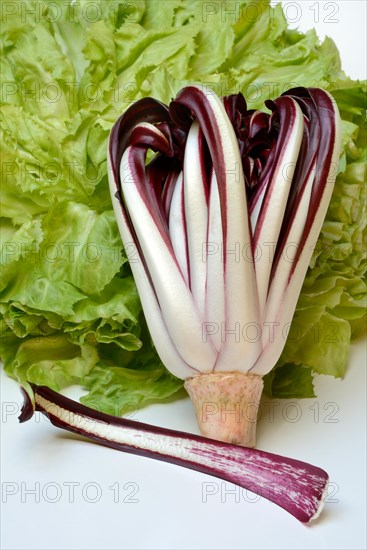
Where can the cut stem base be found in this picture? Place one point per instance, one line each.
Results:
(226, 405)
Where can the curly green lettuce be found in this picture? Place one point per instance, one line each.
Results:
(70, 313)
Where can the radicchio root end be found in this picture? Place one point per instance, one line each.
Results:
(226, 405)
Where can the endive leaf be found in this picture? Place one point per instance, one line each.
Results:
(153, 111)
(274, 202)
(177, 228)
(288, 277)
(236, 353)
(169, 285)
(215, 295)
(196, 213)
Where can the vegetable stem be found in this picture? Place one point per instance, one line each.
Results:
(296, 486)
(226, 405)
(247, 180)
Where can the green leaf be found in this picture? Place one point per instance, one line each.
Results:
(118, 390)
(66, 78)
(85, 251)
(51, 361)
(289, 381)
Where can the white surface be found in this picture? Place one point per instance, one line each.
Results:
(89, 497)
(121, 501)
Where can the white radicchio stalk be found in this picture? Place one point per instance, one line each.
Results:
(298, 487)
(225, 187)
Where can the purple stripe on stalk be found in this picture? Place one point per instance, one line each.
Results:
(152, 111)
(165, 347)
(135, 169)
(144, 137)
(163, 267)
(239, 275)
(316, 152)
(326, 167)
(256, 198)
(197, 103)
(303, 228)
(144, 110)
(177, 228)
(215, 280)
(196, 195)
(148, 136)
(297, 487)
(289, 122)
(168, 190)
(273, 206)
(304, 172)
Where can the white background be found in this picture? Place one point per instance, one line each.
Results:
(343, 20)
(106, 499)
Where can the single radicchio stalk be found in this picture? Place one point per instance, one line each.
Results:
(296, 486)
(224, 219)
